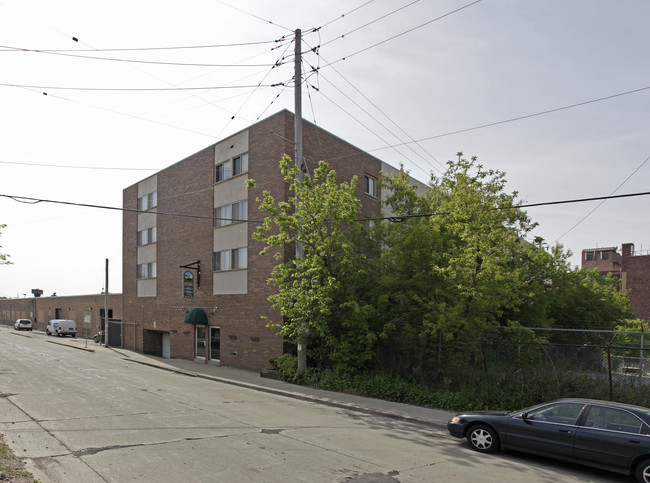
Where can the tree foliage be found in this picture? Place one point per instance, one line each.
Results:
(455, 263)
(320, 295)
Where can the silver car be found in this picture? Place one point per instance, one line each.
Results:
(23, 324)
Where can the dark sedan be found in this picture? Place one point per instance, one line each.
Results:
(606, 435)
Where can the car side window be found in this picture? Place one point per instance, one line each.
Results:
(613, 419)
(563, 413)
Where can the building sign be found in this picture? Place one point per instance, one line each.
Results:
(188, 285)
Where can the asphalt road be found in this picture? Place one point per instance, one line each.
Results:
(92, 416)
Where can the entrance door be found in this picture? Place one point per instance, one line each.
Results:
(215, 343)
(166, 346)
(200, 342)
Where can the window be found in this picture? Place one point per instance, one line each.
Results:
(148, 201)
(561, 413)
(240, 164)
(230, 168)
(369, 187)
(222, 171)
(589, 256)
(605, 256)
(233, 213)
(613, 419)
(230, 259)
(222, 216)
(147, 236)
(147, 270)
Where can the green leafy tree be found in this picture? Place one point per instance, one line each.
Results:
(319, 295)
(465, 270)
(4, 258)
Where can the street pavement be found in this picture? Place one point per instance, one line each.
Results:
(436, 418)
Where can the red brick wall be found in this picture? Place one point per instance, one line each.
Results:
(187, 188)
(637, 277)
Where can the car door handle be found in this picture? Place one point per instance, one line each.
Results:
(635, 441)
(564, 430)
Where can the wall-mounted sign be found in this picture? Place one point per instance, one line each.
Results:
(188, 285)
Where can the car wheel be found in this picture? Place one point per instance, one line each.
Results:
(47, 332)
(483, 438)
(642, 472)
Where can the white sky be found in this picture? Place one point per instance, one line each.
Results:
(493, 61)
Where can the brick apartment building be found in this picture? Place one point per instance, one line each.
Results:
(632, 267)
(193, 280)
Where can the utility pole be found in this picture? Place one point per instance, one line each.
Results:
(297, 120)
(105, 308)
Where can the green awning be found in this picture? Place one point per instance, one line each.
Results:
(197, 317)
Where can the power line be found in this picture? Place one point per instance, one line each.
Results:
(513, 119)
(406, 32)
(133, 61)
(140, 89)
(399, 218)
(140, 49)
(345, 14)
(395, 218)
(78, 167)
(603, 201)
(370, 23)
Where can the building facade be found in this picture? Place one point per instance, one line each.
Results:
(86, 310)
(631, 266)
(187, 246)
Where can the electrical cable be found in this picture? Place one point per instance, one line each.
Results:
(133, 61)
(405, 32)
(140, 49)
(519, 118)
(393, 218)
(345, 14)
(252, 15)
(369, 23)
(603, 201)
(139, 89)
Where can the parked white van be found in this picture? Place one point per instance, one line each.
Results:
(61, 327)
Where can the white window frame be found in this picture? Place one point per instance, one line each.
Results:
(146, 270)
(234, 259)
(231, 167)
(145, 237)
(236, 212)
(370, 185)
(148, 201)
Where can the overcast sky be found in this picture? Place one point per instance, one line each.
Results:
(555, 93)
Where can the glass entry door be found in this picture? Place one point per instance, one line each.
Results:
(215, 343)
(200, 341)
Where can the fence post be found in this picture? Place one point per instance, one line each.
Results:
(641, 358)
(609, 367)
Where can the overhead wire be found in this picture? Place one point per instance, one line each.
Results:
(133, 61)
(603, 201)
(393, 218)
(340, 17)
(404, 33)
(370, 23)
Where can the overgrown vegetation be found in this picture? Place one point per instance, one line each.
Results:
(395, 309)
(12, 468)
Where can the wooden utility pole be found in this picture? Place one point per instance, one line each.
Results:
(105, 309)
(300, 252)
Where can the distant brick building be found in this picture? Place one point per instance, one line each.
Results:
(631, 267)
(193, 280)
